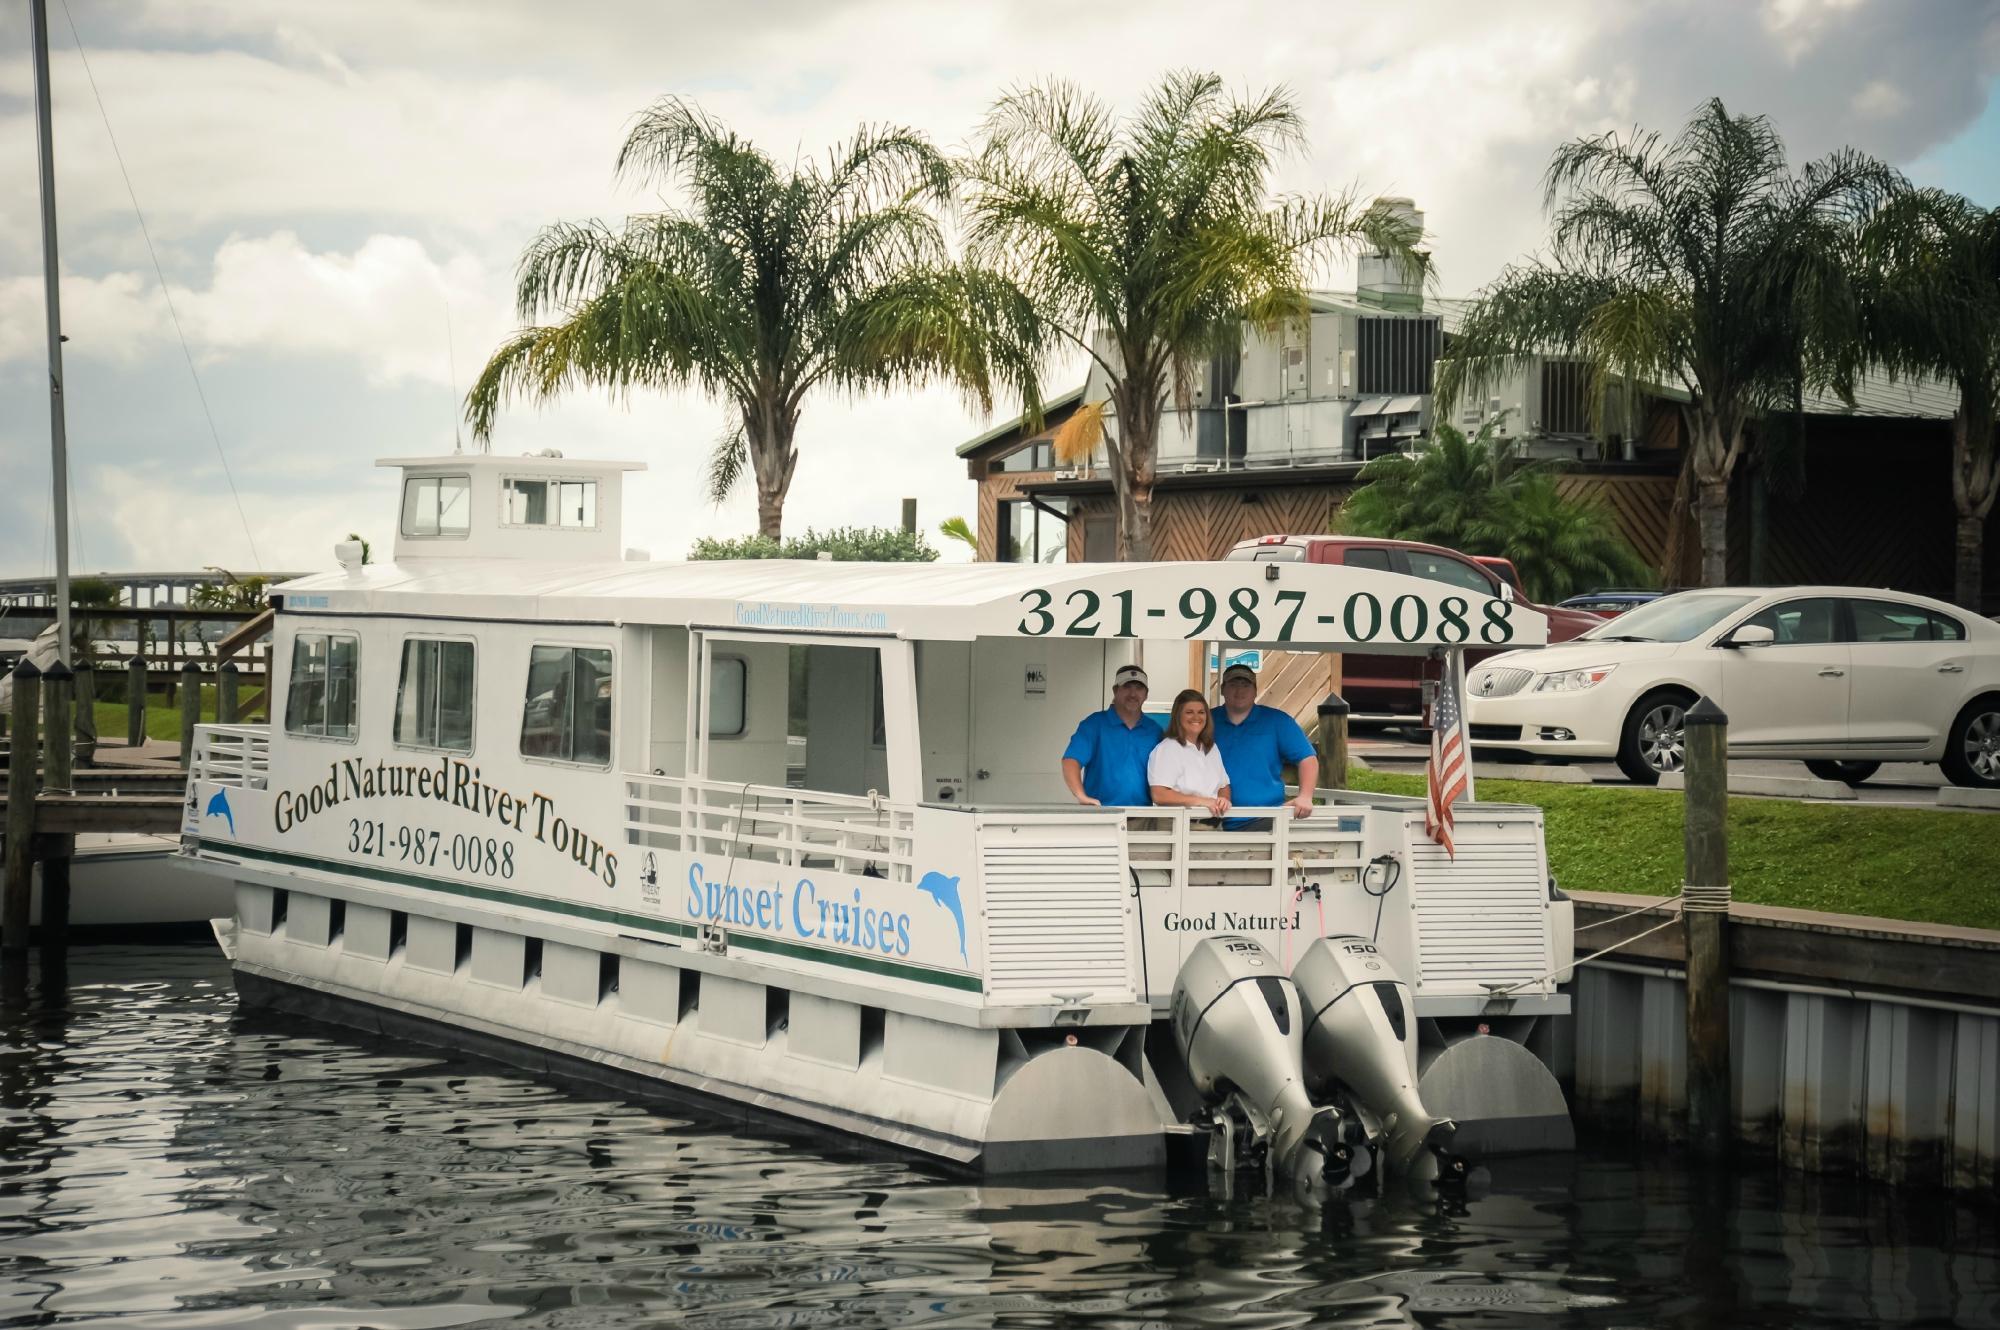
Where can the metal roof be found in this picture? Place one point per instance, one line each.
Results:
(1876, 396)
(1002, 430)
(917, 601)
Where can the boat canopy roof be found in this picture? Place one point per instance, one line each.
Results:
(1301, 606)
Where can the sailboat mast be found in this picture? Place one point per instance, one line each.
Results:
(58, 436)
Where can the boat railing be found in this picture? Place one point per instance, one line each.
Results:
(745, 821)
(236, 755)
(1182, 849)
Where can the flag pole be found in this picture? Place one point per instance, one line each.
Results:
(1454, 670)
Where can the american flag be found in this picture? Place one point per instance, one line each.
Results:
(1444, 774)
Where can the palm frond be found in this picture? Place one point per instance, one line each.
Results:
(1077, 439)
(726, 463)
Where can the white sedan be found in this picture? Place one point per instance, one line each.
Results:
(1840, 677)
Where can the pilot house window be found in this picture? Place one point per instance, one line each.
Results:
(320, 701)
(567, 714)
(563, 503)
(434, 696)
(437, 507)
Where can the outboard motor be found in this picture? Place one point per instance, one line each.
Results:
(1361, 1037)
(1239, 1024)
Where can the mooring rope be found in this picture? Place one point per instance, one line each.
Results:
(1689, 899)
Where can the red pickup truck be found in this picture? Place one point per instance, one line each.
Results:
(1380, 687)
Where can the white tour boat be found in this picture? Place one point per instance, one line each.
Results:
(523, 796)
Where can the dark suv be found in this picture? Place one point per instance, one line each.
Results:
(1392, 686)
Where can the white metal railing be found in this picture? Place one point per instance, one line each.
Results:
(238, 755)
(771, 824)
(1169, 848)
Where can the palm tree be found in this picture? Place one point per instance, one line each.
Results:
(770, 283)
(1461, 493)
(1559, 545)
(1704, 262)
(1442, 493)
(1932, 307)
(1146, 243)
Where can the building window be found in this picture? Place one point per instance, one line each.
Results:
(434, 696)
(1038, 456)
(566, 716)
(1033, 533)
(320, 701)
(728, 688)
(559, 503)
(437, 507)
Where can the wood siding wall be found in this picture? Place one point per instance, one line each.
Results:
(1206, 524)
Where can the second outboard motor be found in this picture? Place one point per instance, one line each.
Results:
(1361, 1033)
(1239, 1024)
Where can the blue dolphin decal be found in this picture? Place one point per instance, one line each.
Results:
(219, 803)
(944, 890)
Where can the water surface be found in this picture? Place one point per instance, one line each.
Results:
(166, 1160)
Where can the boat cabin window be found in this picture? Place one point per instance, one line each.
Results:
(320, 701)
(434, 695)
(559, 503)
(437, 507)
(728, 691)
(567, 713)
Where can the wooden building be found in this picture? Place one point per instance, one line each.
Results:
(1866, 501)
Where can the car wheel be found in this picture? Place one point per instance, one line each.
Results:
(1654, 740)
(1847, 773)
(1972, 749)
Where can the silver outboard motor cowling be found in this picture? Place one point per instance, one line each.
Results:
(1239, 1023)
(1361, 1037)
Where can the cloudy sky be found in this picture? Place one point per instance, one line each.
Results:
(338, 190)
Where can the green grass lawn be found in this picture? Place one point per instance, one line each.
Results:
(161, 722)
(1899, 863)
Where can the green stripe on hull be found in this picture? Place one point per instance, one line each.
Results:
(966, 983)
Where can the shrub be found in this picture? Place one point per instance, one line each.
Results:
(857, 544)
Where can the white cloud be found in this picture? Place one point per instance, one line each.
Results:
(383, 307)
(118, 316)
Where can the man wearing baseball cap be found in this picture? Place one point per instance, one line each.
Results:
(1105, 762)
(1256, 742)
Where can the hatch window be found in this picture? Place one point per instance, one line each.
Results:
(434, 695)
(320, 701)
(560, 503)
(437, 507)
(567, 714)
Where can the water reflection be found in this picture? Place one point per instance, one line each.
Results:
(167, 1161)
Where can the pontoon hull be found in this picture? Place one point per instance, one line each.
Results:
(996, 1101)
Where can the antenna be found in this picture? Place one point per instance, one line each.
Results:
(451, 360)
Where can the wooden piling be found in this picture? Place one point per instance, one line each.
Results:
(135, 701)
(22, 783)
(1705, 921)
(58, 751)
(1333, 742)
(86, 715)
(190, 710)
(226, 697)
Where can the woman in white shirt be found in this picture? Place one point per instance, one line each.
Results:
(1185, 770)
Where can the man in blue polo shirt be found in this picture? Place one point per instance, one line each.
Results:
(1105, 762)
(1256, 742)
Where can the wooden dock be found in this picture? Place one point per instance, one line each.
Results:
(46, 804)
